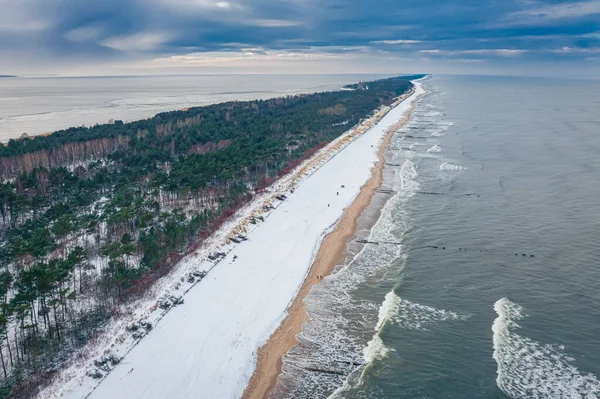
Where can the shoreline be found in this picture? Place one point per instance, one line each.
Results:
(246, 286)
(270, 355)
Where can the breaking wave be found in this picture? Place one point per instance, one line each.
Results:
(389, 308)
(450, 166)
(339, 335)
(375, 350)
(529, 369)
(336, 336)
(402, 313)
(435, 148)
(411, 315)
(414, 316)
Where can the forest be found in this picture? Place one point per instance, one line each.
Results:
(90, 217)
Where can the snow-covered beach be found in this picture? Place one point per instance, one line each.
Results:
(207, 347)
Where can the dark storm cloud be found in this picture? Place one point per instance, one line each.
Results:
(117, 29)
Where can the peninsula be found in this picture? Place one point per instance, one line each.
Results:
(108, 228)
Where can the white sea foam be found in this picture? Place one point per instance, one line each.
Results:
(440, 128)
(529, 369)
(414, 316)
(389, 308)
(435, 148)
(331, 305)
(407, 315)
(408, 174)
(403, 313)
(449, 166)
(335, 334)
(375, 350)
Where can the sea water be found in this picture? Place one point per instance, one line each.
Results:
(484, 281)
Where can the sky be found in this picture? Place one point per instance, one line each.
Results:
(122, 37)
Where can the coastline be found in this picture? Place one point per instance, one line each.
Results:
(269, 356)
(247, 286)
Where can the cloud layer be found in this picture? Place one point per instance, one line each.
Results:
(74, 36)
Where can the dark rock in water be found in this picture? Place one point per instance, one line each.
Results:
(367, 242)
(531, 256)
(352, 363)
(524, 255)
(326, 371)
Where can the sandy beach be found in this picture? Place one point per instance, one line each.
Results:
(247, 294)
(269, 362)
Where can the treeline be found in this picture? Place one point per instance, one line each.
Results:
(90, 217)
(65, 154)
